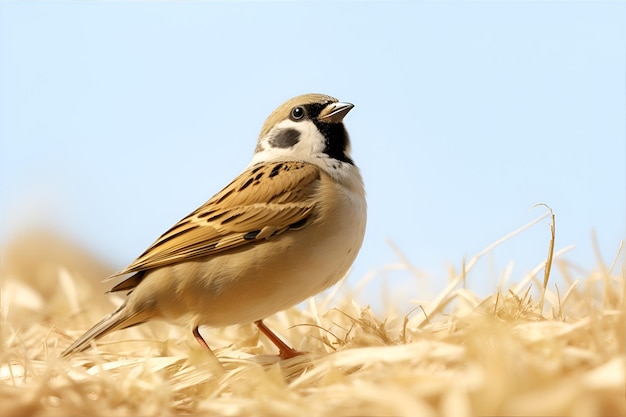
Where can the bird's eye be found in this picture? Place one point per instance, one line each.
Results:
(297, 113)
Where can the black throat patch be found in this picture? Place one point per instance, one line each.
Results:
(337, 140)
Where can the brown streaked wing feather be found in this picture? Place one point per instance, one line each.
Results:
(263, 201)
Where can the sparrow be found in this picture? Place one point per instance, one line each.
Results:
(289, 226)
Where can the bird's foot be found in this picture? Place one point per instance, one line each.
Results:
(284, 350)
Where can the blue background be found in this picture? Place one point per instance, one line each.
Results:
(118, 119)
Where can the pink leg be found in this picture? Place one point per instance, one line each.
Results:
(285, 352)
(200, 340)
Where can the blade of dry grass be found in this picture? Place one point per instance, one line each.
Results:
(465, 355)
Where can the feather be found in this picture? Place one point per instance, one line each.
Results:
(260, 203)
(119, 319)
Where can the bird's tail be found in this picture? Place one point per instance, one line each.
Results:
(119, 319)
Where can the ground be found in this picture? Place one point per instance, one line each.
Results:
(458, 354)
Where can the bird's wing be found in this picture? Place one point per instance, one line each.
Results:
(263, 201)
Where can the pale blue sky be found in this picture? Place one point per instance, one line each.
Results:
(118, 119)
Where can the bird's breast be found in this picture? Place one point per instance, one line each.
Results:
(254, 281)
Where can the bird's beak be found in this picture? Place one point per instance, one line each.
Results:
(335, 112)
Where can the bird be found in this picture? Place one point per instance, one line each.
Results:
(288, 227)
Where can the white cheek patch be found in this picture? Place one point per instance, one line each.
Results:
(284, 138)
(311, 140)
(290, 140)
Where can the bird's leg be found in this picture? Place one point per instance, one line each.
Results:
(201, 341)
(285, 352)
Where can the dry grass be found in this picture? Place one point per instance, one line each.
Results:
(456, 355)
